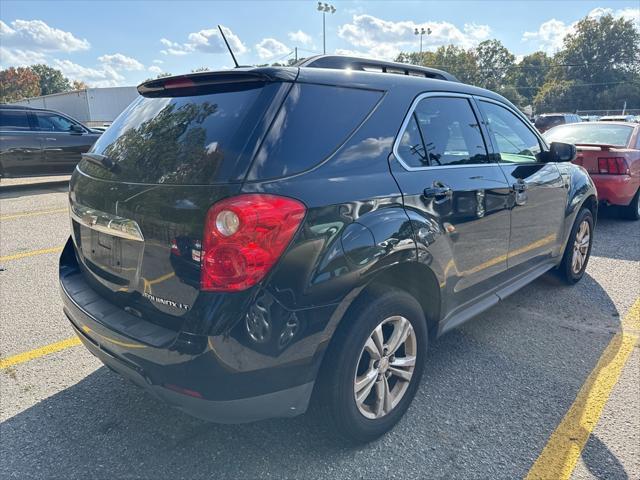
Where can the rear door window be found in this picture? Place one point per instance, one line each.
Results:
(314, 122)
(14, 121)
(195, 139)
(442, 131)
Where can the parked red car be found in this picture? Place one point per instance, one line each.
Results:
(610, 152)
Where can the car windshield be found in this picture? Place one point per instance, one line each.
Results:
(580, 133)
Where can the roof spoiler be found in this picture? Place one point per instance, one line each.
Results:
(340, 62)
(207, 79)
(601, 146)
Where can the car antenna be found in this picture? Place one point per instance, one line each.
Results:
(228, 47)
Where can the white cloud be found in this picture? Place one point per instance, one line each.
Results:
(385, 38)
(270, 47)
(300, 37)
(550, 35)
(155, 69)
(20, 58)
(106, 76)
(159, 62)
(121, 62)
(208, 40)
(37, 35)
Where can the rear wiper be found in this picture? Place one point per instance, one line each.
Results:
(100, 160)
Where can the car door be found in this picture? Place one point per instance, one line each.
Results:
(454, 194)
(538, 191)
(62, 145)
(20, 146)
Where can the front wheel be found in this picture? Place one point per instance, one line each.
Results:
(374, 367)
(578, 249)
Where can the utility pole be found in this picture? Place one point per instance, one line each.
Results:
(325, 8)
(296, 54)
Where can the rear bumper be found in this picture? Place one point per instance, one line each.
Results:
(151, 356)
(615, 189)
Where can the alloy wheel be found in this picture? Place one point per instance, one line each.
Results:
(385, 367)
(581, 247)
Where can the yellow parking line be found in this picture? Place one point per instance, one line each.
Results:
(39, 352)
(32, 214)
(563, 449)
(18, 256)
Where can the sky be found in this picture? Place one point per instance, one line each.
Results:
(111, 43)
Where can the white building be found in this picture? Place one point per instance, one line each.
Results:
(93, 106)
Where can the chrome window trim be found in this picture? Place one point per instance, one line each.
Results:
(407, 119)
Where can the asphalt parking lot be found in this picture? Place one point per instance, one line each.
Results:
(517, 391)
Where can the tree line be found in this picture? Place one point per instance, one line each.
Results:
(598, 67)
(24, 82)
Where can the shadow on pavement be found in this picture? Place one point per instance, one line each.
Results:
(17, 191)
(494, 390)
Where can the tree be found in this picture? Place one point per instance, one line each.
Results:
(18, 83)
(529, 75)
(200, 69)
(79, 85)
(494, 62)
(456, 60)
(558, 96)
(51, 80)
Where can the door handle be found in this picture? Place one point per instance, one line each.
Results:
(438, 191)
(51, 139)
(520, 186)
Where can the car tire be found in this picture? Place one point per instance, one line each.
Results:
(632, 211)
(578, 248)
(349, 364)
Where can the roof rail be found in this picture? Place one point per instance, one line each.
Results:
(340, 62)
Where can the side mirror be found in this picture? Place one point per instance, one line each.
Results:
(562, 152)
(76, 129)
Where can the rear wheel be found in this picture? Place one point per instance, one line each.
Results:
(374, 367)
(632, 211)
(578, 249)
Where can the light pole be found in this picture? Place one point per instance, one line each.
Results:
(325, 8)
(421, 32)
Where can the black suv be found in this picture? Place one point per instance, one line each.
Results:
(245, 240)
(35, 141)
(549, 120)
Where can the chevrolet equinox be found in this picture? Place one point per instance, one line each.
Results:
(246, 240)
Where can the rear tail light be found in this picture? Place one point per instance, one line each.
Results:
(613, 166)
(243, 238)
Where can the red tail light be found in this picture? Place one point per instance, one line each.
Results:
(613, 166)
(243, 238)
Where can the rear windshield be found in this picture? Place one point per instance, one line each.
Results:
(578, 133)
(199, 139)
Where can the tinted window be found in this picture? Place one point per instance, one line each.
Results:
(515, 142)
(50, 122)
(591, 133)
(13, 120)
(549, 121)
(314, 122)
(197, 139)
(442, 131)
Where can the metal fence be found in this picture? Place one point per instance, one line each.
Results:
(618, 111)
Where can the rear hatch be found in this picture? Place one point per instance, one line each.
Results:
(138, 200)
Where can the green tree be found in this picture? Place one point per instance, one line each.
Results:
(79, 85)
(18, 83)
(494, 62)
(51, 80)
(528, 76)
(601, 68)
